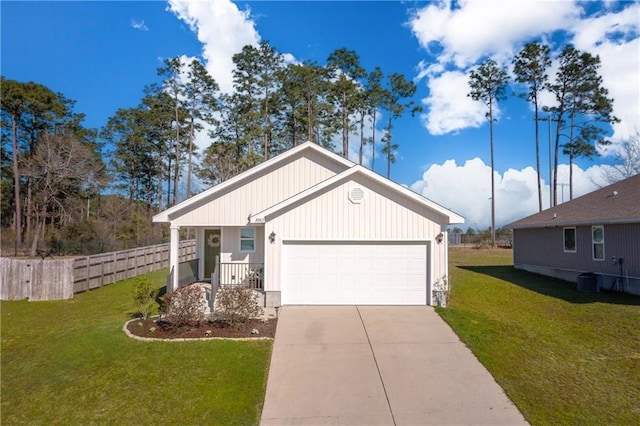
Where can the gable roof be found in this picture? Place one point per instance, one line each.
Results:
(350, 173)
(616, 203)
(247, 175)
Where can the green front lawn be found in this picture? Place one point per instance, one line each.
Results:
(562, 356)
(69, 362)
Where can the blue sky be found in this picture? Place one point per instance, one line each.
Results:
(102, 54)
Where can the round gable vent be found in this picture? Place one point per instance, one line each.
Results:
(356, 195)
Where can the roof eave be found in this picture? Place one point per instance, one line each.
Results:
(451, 217)
(609, 221)
(170, 213)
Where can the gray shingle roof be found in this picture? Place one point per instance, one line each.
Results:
(616, 203)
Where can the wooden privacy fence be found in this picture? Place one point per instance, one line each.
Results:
(50, 279)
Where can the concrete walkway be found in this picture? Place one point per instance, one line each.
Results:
(374, 365)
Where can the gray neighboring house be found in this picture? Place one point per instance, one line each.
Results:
(591, 233)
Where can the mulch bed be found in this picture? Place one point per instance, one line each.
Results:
(164, 330)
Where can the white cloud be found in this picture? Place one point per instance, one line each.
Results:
(500, 28)
(614, 37)
(139, 25)
(222, 29)
(448, 106)
(479, 28)
(466, 189)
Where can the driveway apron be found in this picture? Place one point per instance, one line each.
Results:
(377, 365)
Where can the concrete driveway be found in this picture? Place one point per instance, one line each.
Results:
(375, 365)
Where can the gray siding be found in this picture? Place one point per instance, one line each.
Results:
(544, 247)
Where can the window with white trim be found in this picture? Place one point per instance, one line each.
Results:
(570, 240)
(247, 239)
(597, 242)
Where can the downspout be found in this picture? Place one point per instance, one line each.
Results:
(174, 258)
(445, 242)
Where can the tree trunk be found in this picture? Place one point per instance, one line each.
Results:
(571, 153)
(266, 124)
(169, 204)
(160, 178)
(361, 136)
(493, 186)
(373, 141)
(176, 176)
(36, 234)
(555, 161)
(310, 122)
(538, 155)
(345, 127)
(190, 159)
(16, 181)
(28, 209)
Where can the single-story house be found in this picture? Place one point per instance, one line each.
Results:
(310, 227)
(597, 233)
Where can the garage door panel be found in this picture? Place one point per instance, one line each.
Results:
(354, 273)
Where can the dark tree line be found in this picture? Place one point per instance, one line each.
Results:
(62, 180)
(144, 159)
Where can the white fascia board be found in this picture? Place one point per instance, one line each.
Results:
(452, 217)
(165, 216)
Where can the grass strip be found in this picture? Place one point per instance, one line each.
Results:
(69, 362)
(562, 356)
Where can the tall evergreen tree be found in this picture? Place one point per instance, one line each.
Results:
(158, 127)
(488, 84)
(201, 101)
(174, 85)
(530, 68)
(270, 65)
(582, 106)
(375, 97)
(345, 70)
(292, 99)
(397, 89)
(305, 92)
(246, 99)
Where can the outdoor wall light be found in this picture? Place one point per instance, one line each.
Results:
(272, 237)
(439, 238)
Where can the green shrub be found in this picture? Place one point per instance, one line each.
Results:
(184, 307)
(144, 295)
(235, 305)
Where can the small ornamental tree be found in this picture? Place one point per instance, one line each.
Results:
(144, 295)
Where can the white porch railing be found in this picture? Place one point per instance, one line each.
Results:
(245, 274)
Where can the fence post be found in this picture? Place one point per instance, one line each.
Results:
(88, 273)
(101, 274)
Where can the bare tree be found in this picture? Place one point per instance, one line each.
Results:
(627, 159)
(60, 167)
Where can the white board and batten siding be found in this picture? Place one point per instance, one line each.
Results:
(272, 185)
(382, 217)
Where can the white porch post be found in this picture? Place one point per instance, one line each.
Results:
(174, 257)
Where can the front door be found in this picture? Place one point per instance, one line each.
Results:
(212, 242)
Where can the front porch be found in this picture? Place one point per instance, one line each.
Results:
(225, 255)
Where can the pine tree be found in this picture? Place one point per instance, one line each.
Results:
(488, 84)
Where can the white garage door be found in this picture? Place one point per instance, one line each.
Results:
(347, 273)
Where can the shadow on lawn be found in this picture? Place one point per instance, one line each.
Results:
(552, 287)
